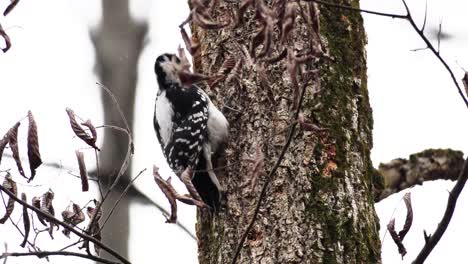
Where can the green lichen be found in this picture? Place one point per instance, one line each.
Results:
(431, 153)
(343, 80)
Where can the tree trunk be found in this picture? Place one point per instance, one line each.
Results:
(319, 206)
(118, 43)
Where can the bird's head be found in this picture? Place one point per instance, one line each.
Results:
(167, 68)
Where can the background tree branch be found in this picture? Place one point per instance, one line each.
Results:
(428, 165)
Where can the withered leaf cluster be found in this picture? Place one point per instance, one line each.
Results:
(93, 229)
(398, 237)
(89, 138)
(72, 216)
(172, 195)
(80, 132)
(34, 155)
(44, 203)
(47, 207)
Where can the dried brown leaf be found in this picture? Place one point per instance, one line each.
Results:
(409, 216)
(91, 128)
(169, 192)
(47, 206)
(13, 141)
(93, 212)
(206, 23)
(3, 143)
(10, 7)
(83, 171)
(187, 199)
(190, 45)
(33, 146)
(236, 72)
(6, 38)
(184, 62)
(72, 216)
(465, 82)
(94, 228)
(186, 177)
(396, 238)
(46, 202)
(79, 131)
(36, 202)
(26, 221)
(288, 21)
(9, 184)
(188, 78)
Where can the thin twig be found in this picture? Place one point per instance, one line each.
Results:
(438, 37)
(129, 153)
(425, 19)
(442, 226)
(43, 254)
(97, 174)
(16, 225)
(116, 102)
(409, 18)
(436, 53)
(120, 197)
(6, 250)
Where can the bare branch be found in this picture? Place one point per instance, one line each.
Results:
(45, 254)
(442, 226)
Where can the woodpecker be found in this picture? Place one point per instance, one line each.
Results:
(190, 128)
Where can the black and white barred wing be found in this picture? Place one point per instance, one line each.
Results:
(188, 137)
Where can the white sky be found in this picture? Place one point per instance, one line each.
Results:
(50, 67)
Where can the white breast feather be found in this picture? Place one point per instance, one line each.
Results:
(164, 114)
(218, 126)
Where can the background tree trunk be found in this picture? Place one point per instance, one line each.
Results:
(319, 205)
(118, 42)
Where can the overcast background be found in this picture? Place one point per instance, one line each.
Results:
(415, 106)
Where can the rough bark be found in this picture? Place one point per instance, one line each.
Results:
(428, 165)
(118, 44)
(319, 205)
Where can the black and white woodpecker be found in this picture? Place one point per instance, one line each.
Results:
(189, 127)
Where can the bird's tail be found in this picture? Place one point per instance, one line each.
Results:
(205, 187)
